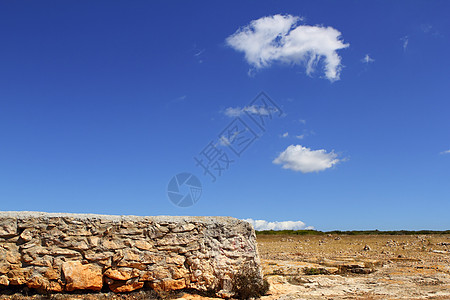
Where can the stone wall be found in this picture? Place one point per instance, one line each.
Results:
(66, 252)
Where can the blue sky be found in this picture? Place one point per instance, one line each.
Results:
(102, 103)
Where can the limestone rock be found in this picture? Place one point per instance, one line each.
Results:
(8, 227)
(124, 286)
(69, 252)
(169, 285)
(38, 281)
(19, 276)
(122, 273)
(82, 277)
(4, 280)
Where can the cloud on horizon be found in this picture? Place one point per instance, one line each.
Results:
(279, 38)
(305, 160)
(283, 225)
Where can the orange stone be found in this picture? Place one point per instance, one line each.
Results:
(121, 274)
(169, 285)
(123, 287)
(82, 277)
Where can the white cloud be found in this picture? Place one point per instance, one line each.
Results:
(430, 29)
(198, 53)
(257, 110)
(446, 152)
(405, 41)
(284, 225)
(279, 38)
(367, 59)
(233, 112)
(305, 160)
(300, 137)
(285, 135)
(253, 109)
(426, 28)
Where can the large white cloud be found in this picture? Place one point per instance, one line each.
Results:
(279, 38)
(283, 225)
(305, 160)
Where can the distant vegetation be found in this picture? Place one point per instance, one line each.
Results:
(353, 232)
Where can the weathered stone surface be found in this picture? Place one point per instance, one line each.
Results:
(9, 254)
(169, 285)
(122, 273)
(68, 252)
(19, 276)
(8, 227)
(4, 266)
(124, 286)
(51, 274)
(4, 280)
(38, 281)
(82, 277)
(54, 286)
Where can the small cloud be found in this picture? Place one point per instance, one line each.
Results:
(251, 73)
(445, 152)
(198, 53)
(257, 110)
(300, 136)
(260, 225)
(305, 160)
(279, 38)
(198, 56)
(426, 28)
(367, 59)
(302, 121)
(178, 99)
(305, 134)
(405, 41)
(429, 29)
(233, 112)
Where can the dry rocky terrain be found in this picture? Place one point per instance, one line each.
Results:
(339, 267)
(356, 267)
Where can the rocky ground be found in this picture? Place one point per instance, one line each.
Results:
(356, 267)
(338, 267)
